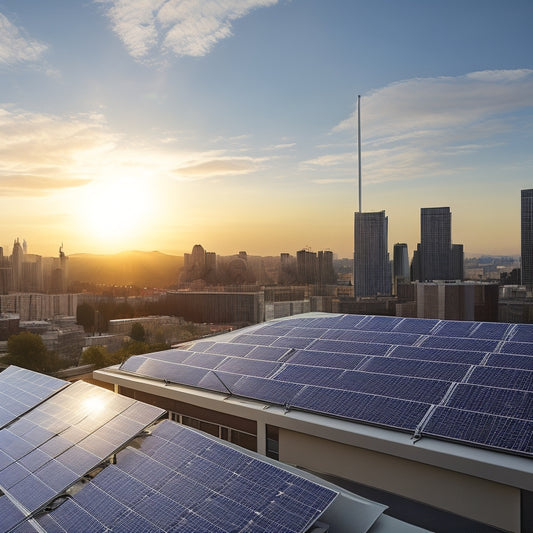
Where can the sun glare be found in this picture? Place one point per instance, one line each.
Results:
(114, 210)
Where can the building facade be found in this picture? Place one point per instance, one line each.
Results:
(400, 265)
(371, 265)
(526, 219)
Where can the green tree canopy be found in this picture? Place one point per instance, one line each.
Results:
(137, 332)
(95, 355)
(27, 350)
(85, 316)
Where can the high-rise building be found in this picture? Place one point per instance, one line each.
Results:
(527, 237)
(400, 265)
(372, 272)
(435, 243)
(437, 257)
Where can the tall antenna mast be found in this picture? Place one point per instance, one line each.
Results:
(359, 144)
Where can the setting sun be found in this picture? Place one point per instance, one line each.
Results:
(114, 209)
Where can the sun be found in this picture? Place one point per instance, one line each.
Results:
(116, 209)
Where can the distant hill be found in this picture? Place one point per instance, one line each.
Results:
(143, 269)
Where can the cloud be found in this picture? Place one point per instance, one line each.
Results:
(15, 47)
(36, 185)
(415, 128)
(218, 167)
(180, 27)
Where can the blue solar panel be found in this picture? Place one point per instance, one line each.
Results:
(362, 336)
(69, 516)
(518, 348)
(373, 409)
(326, 359)
(454, 328)
(174, 373)
(458, 343)
(273, 329)
(32, 493)
(502, 377)
(510, 361)
(12, 474)
(267, 353)
(259, 340)
(421, 326)
(56, 476)
(10, 515)
(23, 389)
(248, 367)
(488, 330)
(204, 360)
(496, 401)
(270, 391)
(406, 388)
(480, 429)
(310, 333)
(437, 354)
(380, 323)
(362, 348)
(133, 363)
(206, 486)
(237, 350)
(202, 346)
(310, 375)
(292, 342)
(415, 368)
(523, 333)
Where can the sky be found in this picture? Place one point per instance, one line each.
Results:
(160, 124)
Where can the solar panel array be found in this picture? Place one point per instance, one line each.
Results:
(22, 389)
(470, 382)
(181, 480)
(56, 443)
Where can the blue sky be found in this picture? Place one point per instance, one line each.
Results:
(158, 124)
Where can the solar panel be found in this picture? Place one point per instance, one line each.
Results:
(10, 514)
(508, 378)
(522, 333)
(422, 326)
(481, 429)
(374, 409)
(36, 464)
(267, 353)
(259, 340)
(496, 401)
(487, 330)
(248, 367)
(518, 348)
(276, 392)
(458, 343)
(208, 486)
(292, 342)
(204, 360)
(437, 354)
(454, 328)
(362, 348)
(173, 372)
(326, 359)
(501, 360)
(415, 368)
(23, 389)
(380, 323)
(401, 387)
(309, 375)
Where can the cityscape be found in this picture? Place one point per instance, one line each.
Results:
(266, 265)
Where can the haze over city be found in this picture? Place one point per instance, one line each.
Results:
(158, 125)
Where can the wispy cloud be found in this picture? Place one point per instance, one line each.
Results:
(218, 167)
(415, 127)
(15, 46)
(41, 154)
(180, 27)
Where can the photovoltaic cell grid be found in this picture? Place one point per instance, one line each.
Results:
(182, 480)
(21, 390)
(401, 363)
(48, 449)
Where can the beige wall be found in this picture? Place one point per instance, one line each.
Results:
(468, 496)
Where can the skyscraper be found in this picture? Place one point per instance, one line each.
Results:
(527, 237)
(400, 265)
(435, 243)
(372, 272)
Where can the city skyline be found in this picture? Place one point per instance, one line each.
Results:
(233, 124)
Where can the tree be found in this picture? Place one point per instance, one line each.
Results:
(27, 350)
(95, 355)
(137, 332)
(85, 316)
